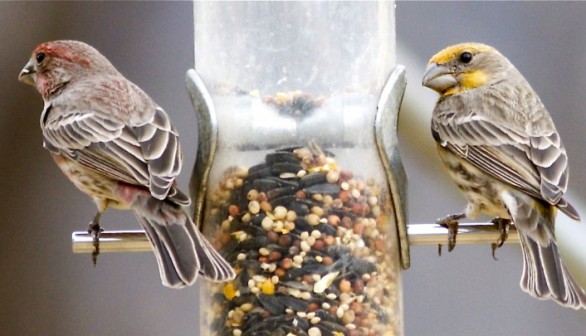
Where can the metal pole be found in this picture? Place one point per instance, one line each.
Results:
(418, 235)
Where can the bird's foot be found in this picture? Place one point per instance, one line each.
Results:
(451, 222)
(94, 231)
(503, 225)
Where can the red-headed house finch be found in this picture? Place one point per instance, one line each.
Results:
(500, 146)
(119, 147)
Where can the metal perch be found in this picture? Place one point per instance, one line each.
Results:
(418, 235)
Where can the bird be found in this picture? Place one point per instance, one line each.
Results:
(499, 144)
(119, 147)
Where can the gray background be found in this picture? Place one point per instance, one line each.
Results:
(47, 290)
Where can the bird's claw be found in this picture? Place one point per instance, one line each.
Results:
(94, 231)
(451, 222)
(503, 225)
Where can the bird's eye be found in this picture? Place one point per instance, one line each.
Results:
(40, 57)
(466, 57)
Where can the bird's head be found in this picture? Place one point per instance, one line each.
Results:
(463, 67)
(56, 63)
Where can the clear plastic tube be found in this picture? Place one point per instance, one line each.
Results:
(297, 196)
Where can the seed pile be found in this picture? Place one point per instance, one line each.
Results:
(295, 104)
(311, 245)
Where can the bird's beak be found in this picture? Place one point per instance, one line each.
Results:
(28, 73)
(439, 77)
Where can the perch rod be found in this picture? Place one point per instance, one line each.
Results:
(418, 234)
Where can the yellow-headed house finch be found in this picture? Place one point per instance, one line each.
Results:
(119, 147)
(500, 146)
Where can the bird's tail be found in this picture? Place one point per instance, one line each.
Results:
(544, 274)
(546, 277)
(181, 250)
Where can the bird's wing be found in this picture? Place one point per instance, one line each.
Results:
(536, 164)
(146, 153)
(159, 144)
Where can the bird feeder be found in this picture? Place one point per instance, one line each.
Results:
(297, 175)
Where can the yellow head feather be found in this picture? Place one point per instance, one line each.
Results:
(468, 81)
(451, 52)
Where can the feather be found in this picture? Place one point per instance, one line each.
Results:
(147, 155)
(501, 150)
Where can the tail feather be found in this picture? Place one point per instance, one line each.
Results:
(213, 266)
(546, 277)
(544, 274)
(171, 277)
(182, 252)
